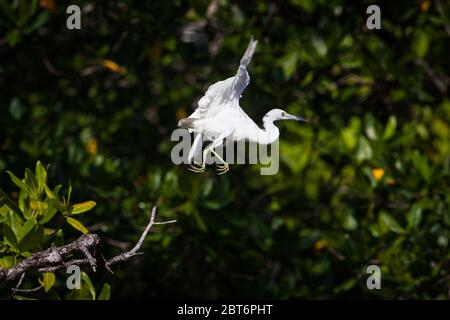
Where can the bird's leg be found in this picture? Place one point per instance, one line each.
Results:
(221, 168)
(196, 167)
(210, 148)
(198, 142)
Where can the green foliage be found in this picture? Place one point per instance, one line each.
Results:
(365, 181)
(36, 221)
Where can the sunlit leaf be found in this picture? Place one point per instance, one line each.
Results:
(77, 225)
(22, 185)
(391, 125)
(41, 176)
(105, 293)
(90, 286)
(82, 207)
(47, 281)
(38, 205)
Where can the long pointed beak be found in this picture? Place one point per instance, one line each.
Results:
(297, 118)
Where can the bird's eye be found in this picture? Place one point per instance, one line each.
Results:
(283, 114)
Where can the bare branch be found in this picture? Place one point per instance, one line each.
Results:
(52, 259)
(27, 290)
(133, 252)
(20, 281)
(441, 83)
(89, 257)
(65, 265)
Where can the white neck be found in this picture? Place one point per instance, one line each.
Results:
(269, 134)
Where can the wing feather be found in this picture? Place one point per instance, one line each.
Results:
(222, 98)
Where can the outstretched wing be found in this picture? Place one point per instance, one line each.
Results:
(222, 98)
(242, 78)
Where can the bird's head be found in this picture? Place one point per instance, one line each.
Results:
(278, 114)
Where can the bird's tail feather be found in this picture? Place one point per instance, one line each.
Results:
(187, 123)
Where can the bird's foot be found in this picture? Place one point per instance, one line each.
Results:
(196, 167)
(222, 168)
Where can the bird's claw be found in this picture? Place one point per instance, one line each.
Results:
(196, 167)
(222, 168)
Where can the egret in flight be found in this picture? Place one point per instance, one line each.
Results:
(219, 116)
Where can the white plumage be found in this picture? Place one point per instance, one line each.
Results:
(219, 116)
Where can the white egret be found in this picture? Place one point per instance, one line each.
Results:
(219, 116)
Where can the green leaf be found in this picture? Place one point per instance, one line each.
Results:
(26, 228)
(9, 235)
(414, 216)
(82, 207)
(345, 286)
(59, 238)
(23, 204)
(391, 125)
(364, 151)
(7, 262)
(69, 195)
(32, 241)
(371, 130)
(4, 210)
(48, 281)
(15, 222)
(199, 219)
(56, 190)
(48, 231)
(31, 181)
(421, 43)
(319, 45)
(49, 193)
(87, 280)
(420, 162)
(349, 222)
(48, 214)
(375, 229)
(105, 293)
(387, 222)
(5, 200)
(77, 225)
(289, 64)
(307, 79)
(38, 205)
(349, 137)
(41, 176)
(22, 185)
